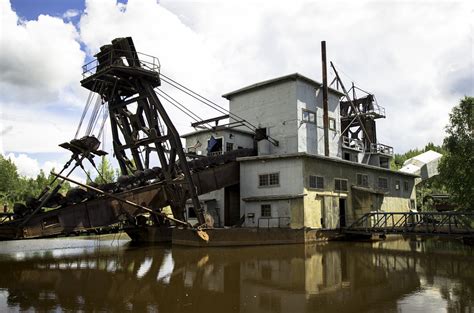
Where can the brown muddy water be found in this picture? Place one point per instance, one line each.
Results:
(109, 274)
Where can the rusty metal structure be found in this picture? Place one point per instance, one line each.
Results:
(453, 224)
(124, 82)
(358, 122)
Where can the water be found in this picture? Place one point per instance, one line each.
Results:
(109, 274)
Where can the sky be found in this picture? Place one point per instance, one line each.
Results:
(415, 56)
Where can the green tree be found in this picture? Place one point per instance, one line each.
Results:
(457, 165)
(9, 181)
(65, 186)
(106, 172)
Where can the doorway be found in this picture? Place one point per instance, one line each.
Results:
(342, 212)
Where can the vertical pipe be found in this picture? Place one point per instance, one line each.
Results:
(325, 99)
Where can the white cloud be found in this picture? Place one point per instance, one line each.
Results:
(34, 130)
(41, 59)
(71, 13)
(416, 57)
(30, 167)
(26, 166)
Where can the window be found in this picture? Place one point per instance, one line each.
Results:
(397, 185)
(316, 182)
(309, 116)
(363, 180)
(406, 186)
(384, 162)
(274, 179)
(332, 123)
(214, 146)
(383, 182)
(340, 184)
(191, 213)
(266, 210)
(229, 146)
(269, 180)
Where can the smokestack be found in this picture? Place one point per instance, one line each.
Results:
(325, 99)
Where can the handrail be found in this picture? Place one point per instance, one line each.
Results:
(352, 143)
(415, 222)
(114, 57)
(381, 148)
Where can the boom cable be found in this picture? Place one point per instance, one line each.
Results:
(196, 117)
(178, 105)
(206, 101)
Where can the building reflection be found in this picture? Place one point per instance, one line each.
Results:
(335, 277)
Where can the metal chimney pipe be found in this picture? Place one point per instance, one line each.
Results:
(325, 99)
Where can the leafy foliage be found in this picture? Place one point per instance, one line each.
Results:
(399, 159)
(457, 166)
(107, 173)
(431, 186)
(15, 188)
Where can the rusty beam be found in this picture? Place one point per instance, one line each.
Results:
(122, 200)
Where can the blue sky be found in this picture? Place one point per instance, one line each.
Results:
(397, 50)
(30, 9)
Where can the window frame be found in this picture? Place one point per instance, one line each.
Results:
(268, 207)
(303, 111)
(332, 119)
(406, 186)
(380, 178)
(268, 178)
(317, 179)
(397, 184)
(340, 185)
(362, 180)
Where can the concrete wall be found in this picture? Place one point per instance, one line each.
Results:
(279, 108)
(272, 107)
(319, 208)
(290, 171)
(311, 135)
(394, 199)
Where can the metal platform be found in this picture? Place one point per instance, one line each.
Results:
(454, 224)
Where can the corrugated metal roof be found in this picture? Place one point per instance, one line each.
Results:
(428, 156)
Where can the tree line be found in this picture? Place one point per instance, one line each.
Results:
(16, 188)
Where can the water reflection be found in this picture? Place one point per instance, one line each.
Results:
(393, 276)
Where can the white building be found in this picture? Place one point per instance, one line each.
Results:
(290, 183)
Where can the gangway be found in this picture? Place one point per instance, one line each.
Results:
(454, 223)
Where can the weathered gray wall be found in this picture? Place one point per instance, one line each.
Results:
(319, 205)
(290, 184)
(311, 135)
(272, 107)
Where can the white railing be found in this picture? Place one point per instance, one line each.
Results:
(352, 143)
(381, 148)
